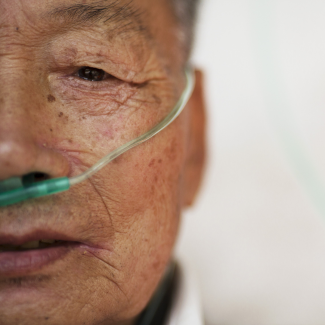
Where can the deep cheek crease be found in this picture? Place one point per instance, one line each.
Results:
(102, 254)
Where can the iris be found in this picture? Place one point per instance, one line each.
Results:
(91, 74)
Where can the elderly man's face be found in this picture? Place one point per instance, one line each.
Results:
(58, 117)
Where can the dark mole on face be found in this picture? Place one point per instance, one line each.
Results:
(50, 98)
(61, 114)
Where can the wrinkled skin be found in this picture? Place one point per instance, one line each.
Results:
(52, 121)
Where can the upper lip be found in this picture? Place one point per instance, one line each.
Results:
(16, 234)
(15, 240)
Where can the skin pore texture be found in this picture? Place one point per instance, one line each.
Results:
(123, 221)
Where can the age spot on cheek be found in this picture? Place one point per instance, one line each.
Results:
(60, 114)
(50, 98)
(152, 162)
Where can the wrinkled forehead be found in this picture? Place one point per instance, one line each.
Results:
(150, 21)
(73, 13)
(86, 9)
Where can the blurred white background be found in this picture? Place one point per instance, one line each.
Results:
(256, 236)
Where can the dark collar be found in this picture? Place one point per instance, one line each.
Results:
(158, 309)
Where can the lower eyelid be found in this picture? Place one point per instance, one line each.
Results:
(75, 83)
(108, 82)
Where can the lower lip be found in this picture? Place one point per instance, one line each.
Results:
(24, 262)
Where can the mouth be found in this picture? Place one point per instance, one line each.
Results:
(35, 244)
(19, 257)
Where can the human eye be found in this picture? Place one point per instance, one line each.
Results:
(92, 74)
(89, 78)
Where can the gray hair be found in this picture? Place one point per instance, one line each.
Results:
(186, 11)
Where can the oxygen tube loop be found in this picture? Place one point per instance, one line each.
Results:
(13, 190)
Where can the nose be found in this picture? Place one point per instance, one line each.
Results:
(21, 133)
(21, 156)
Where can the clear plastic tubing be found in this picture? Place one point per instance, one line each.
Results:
(13, 190)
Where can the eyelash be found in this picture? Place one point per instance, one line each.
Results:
(80, 82)
(88, 72)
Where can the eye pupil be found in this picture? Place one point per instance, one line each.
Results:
(91, 74)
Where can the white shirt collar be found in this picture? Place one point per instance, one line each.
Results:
(186, 308)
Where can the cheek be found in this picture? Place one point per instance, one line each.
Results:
(147, 176)
(92, 98)
(89, 127)
(146, 219)
(133, 204)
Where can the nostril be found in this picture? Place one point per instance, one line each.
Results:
(34, 177)
(40, 177)
(13, 183)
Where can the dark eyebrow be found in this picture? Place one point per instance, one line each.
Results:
(124, 17)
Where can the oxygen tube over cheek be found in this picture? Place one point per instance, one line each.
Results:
(15, 189)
